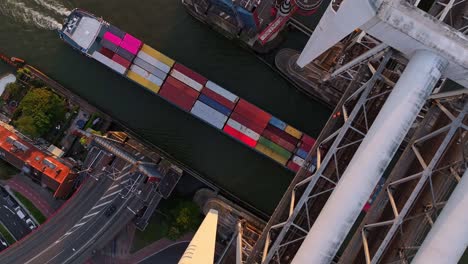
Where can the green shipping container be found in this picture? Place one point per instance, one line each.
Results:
(276, 148)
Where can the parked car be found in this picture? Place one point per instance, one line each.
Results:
(31, 224)
(110, 210)
(20, 213)
(4, 192)
(3, 242)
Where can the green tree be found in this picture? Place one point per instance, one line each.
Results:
(13, 91)
(39, 111)
(185, 218)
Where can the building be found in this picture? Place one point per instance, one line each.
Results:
(41, 167)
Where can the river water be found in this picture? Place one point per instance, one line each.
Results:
(27, 31)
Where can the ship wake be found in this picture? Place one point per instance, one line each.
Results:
(54, 6)
(20, 12)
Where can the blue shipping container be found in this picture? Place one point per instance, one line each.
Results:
(246, 17)
(302, 153)
(278, 123)
(215, 105)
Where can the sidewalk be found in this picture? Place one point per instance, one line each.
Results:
(40, 197)
(154, 248)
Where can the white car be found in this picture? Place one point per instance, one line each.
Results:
(31, 224)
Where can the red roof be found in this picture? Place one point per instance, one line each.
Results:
(31, 155)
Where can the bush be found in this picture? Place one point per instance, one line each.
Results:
(39, 111)
(13, 91)
(185, 218)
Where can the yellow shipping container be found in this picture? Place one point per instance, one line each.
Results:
(293, 132)
(141, 80)
(157, 55)
(270, 153)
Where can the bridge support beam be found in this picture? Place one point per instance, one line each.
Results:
(448, 238)
(372, 158)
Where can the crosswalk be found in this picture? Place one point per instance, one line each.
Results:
(107, 198)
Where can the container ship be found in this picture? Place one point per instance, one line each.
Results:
(186, 89)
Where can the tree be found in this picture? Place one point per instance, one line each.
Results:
(39, 111)
(185, 218)
(12, 91)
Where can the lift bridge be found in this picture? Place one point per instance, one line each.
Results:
(396, 124)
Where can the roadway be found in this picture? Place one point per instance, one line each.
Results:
(17, 227)
(80, 226)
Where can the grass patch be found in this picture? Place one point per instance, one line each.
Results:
(157, 228)
(6, 235)
(7, 171)
(31, 208)
(175, 217)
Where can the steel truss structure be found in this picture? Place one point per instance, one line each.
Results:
(373, 81)
(416, 191)
(451, 12)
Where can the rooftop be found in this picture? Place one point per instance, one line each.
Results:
(31, 155)
(83, 30)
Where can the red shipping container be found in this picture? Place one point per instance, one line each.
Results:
(282, 134)
(193, 75)
(253, 112)
(248, 123)
(278, 140)
(177, 97)
(218, 98)
(121, 61)
(308, 140)
(182, 86)
(306, 147)
(106, 52)
(293, 166)
(240, 136)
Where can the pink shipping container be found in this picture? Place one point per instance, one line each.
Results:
(130, 48)
(112, 38)
(132, 40)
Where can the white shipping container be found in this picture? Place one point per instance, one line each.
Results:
(221, 91)
(137, 69)
(108, 62)
(155, 80)
(187, 80)
(153, 61)
(208, 114)
(298, 160)
(243, 129)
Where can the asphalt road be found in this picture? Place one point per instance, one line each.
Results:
(170, 255)
(80, 227)
(17, 227)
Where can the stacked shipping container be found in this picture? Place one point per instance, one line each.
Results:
(208, 101)
(149, 68)
(247, 122)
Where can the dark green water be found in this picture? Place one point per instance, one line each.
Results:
(167, 27)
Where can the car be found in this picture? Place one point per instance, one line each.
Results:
(3, 242)
(20, 213)
(4, 192)
(31, 224)
(110, 210)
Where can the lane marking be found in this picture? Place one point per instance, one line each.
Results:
(80, 224)
(93, 214)
(114, 193)
(97, 206)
